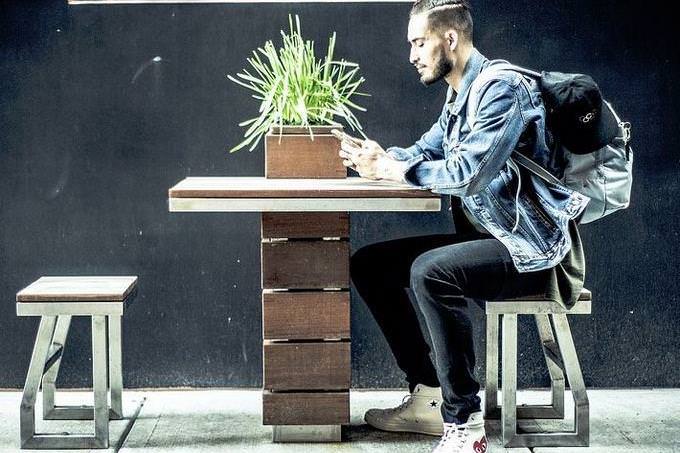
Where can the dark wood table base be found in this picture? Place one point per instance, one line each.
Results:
(306, 331)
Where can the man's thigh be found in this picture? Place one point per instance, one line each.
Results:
(479, 269)
(394, 258)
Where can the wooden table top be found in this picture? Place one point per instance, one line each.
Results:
(260, 194)
(260, 187)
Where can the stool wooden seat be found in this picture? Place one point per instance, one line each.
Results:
(560, 356)
(56, 300)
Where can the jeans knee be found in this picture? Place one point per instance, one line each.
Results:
(422, 270)
(428, 277)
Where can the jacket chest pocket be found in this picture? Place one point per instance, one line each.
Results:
(461, 129)
(452, 134)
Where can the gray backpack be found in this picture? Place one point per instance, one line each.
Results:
(603, 175)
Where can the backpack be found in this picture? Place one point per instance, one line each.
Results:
(599, 167)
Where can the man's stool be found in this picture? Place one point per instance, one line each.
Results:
(561, 359)
(56, 300)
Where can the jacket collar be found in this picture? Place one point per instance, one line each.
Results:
(473, 67)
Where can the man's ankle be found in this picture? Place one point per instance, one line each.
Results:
(412, 387)
(462, 419)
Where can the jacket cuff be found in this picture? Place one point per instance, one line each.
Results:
(414, 174)
(398, 153)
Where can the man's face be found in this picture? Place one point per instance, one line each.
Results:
(428, 51)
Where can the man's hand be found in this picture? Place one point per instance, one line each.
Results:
(371, 161)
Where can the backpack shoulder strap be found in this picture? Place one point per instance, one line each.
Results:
(536, 169)
(486, 75)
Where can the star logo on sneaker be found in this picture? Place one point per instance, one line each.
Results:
(480, 445)
(433, 404)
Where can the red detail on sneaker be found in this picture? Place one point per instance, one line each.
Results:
(480, 445)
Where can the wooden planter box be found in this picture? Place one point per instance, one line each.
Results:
(294, 154)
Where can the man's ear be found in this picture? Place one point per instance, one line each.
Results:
(452, 39)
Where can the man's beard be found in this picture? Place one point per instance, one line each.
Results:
(441, 69)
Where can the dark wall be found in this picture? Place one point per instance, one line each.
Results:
(93, 133)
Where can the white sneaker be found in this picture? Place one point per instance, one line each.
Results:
(467, 438)
(419, 412)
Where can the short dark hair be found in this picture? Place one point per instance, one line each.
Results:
(442, 14)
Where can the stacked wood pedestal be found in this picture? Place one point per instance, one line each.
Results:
(306, 324)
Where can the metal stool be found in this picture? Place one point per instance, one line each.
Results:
(56, 300)
(560, 358)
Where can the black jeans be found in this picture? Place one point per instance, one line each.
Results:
(442, 272)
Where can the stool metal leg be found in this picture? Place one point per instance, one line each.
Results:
(115, 367)
(555, 410)
(84, 412)
(509, 384)
(580, 435)
(551, 353)
(576, 383)
(99, 376)
(29, 439)
(491, 409)
(35, 372)
(50, 378)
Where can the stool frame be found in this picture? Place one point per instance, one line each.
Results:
(561, 358)
(44, 369)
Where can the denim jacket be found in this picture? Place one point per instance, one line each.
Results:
(472, 161)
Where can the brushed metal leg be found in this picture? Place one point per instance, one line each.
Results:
(49, 380)
(33, 378)
(551, 353)
(491, 409)
(575, 376)
(99, 377)
(115, 367)
(509, 384)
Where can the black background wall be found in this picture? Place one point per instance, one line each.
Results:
(93, 132)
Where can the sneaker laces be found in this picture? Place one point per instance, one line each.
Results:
(405, 402)
(453, 439)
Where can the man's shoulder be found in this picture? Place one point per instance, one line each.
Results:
(496, 71)
(498, 80)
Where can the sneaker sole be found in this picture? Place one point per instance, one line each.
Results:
(430, 430)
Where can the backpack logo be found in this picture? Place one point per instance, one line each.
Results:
(588, 118)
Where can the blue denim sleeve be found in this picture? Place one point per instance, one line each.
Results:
(475, 161)
(429, 145)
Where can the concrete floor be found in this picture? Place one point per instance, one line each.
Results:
(622, 421)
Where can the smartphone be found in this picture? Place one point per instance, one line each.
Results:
(343, 136)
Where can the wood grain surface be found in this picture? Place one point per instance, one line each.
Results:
(305, 264)
(300, 156)
(78, 288)
(307, 366)
(260, 187)
(328, 408)
(303, 225)
(305, 315)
